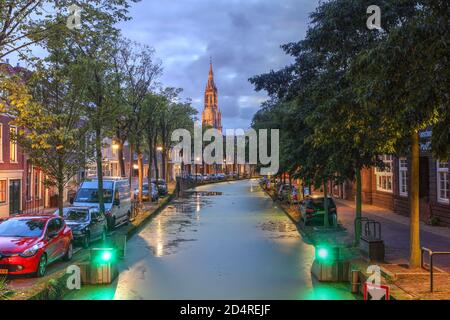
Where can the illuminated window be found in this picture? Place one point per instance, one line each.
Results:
(2, 191)
(442, 182)
(402, 179)
(384, 176)
(12, 144)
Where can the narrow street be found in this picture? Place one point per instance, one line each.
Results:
(223, 241)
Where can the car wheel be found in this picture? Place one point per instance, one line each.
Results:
(86, 241)
(69, 253)
(42, 266)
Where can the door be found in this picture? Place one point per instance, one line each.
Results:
(14, 197)
(52, 246)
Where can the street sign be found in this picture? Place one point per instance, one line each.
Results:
(375, 292)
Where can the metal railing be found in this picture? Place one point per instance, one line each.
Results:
(431, 255)
(372, 228)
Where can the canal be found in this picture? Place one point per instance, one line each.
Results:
(222, 241)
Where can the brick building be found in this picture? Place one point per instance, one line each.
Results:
(389, 188)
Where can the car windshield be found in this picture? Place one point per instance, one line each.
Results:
(145, 187)
(91, 195)
(22, 228)
(161, 182)
(77, 215)
(318, 203)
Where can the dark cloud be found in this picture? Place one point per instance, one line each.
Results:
(242, 37)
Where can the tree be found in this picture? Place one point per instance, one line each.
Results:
(89, 51)
(172, 115)
(136, 73)
(52, 131)
(152, 106)
(407, 77)
(340, 134)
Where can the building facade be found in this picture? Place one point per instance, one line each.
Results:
(389, 188)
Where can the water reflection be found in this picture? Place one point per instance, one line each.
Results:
(166, 234)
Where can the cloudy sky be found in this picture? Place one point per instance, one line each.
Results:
(243, 37)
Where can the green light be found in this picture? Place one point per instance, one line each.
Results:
(106, 256)
(322, 253)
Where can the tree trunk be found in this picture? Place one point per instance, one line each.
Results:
(358, 200)
(140, 174)
(326, 223)
(155, 157)
(121, 161)
(164, 160)
(150, 160)
(131, 166)
(414, 258)
(99, 160)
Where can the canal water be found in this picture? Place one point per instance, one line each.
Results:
(222, 241)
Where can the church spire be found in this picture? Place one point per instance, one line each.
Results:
(211, 85)
(211, 114)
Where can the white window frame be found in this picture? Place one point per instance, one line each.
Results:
(403, 177)
(442, 174)
(385, 175)
(11, 142)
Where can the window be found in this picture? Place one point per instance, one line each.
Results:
(37, 184)
(12, 144)
(443, 184)
(384, 176)
(2, 191)
(1, 142)
(28, 180)
(402, 179)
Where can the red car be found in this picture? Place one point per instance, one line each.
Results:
(29, 243)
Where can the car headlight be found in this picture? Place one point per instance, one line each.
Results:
(30, 251)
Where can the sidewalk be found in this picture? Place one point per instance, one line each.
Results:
(395, 233)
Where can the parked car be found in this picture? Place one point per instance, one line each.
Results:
(198, 177)
(205, 177)
(221, 176)
(289, 193)
(312, 211)
(29, 243)
(116, 196)
(148, 193)
(87, 224)
(162, 186)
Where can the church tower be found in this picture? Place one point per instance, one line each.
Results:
(211, 115)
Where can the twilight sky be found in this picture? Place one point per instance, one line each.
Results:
(243, 37)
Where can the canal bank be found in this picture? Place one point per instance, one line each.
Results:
(222, 241)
